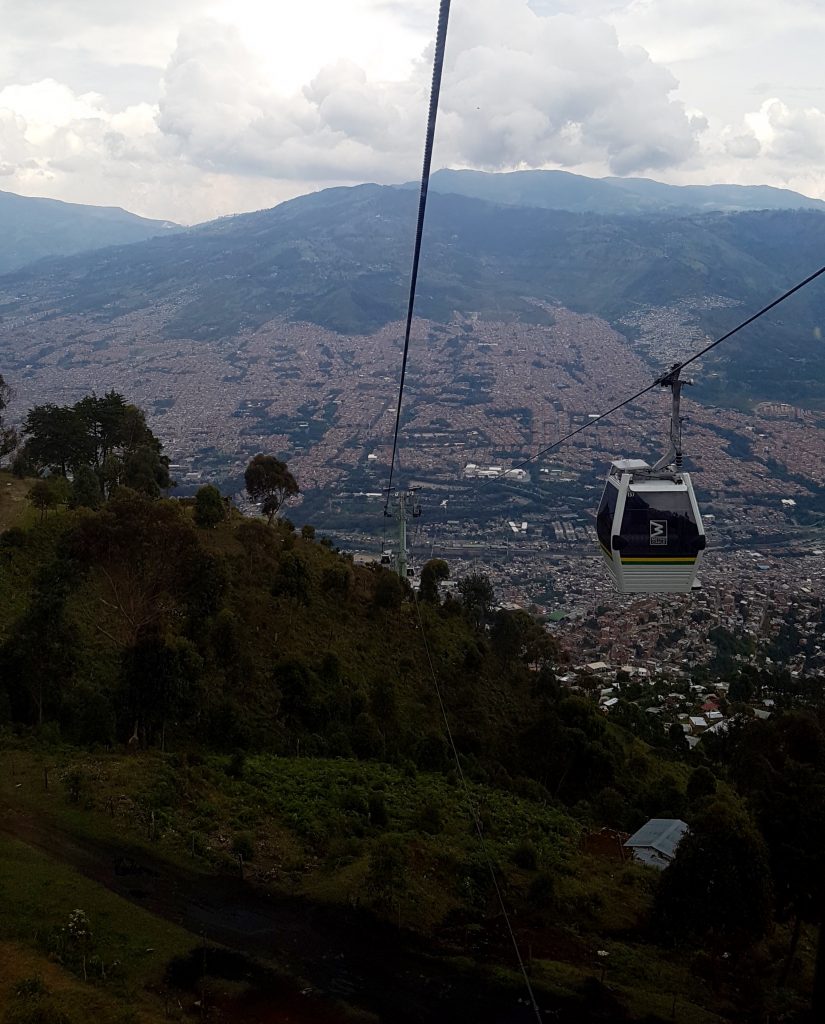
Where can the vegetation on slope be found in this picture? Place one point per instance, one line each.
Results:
(282, 723)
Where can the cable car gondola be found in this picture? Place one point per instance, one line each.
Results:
(649, 525)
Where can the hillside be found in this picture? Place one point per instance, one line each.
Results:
(34, 228)
(236, 728)
(340, 259)
(561, 190)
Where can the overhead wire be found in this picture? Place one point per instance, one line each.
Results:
(681, 365)
(435, 90)
(438, 67)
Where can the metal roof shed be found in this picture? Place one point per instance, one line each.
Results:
(655, 843)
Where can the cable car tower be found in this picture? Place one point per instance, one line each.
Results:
(649, 525)
(406, 509)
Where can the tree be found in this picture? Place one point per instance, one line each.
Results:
(477, 596)
(269, 481)
(702, 783)
(160, 674)
(293, 579)
(718, 887)
(45, 495)
(144, 470)
(780, 766)
(40, 654)
(143, 555)
(85, 490)
(676, 735)
(434, 572)
(509, 632)
(8, 436)
(389, 591)
(56, 439)
(105, 434)
(209, 507)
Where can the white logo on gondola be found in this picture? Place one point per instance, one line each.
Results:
(658, 532)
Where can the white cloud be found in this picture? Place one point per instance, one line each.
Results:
(534, 91)
(789, 134)
(191, 108)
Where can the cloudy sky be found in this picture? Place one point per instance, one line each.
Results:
(190, 109)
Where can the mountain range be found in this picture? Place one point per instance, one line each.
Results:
(34, 228)
(340, 259)
(561, 190)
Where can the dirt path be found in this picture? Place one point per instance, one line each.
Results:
(343, 954)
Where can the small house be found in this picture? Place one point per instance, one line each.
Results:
(655, 843)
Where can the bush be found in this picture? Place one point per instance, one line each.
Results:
(29, 988)
(378, 810)
(542, 890)
(526, 856)
(237, 765)
(429, 817)
(243, 846)
(209, 507)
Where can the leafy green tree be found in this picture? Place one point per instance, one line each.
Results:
(85, 491)
(676, 735)
(740, 689)
(701, 784)
(718, 887)
(47, 494)
(434, 571)
(477, 597)
(161, 676)
(145, 470)
(269, 481)
(780, 766)
(39, 657)
(56, 439)
(509, 633)
(293, 578)
(8, 436)
(106, 434)
(209, 507)
(389, 592)
(143, 555)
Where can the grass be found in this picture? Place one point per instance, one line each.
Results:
(38, 895)
(308, 822)
(14, 506)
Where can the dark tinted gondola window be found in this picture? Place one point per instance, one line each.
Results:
(607, 510)
(660, 524)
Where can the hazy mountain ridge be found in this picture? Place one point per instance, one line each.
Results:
(341, 258)
(576, 193)
(36, 228)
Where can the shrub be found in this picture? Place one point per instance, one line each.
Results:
(542, 890)
(526, 856)
(243, 846)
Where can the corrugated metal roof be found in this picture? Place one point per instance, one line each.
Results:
(662, 834)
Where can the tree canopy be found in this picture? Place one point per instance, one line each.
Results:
(718, 887)
(107, 435)
(270, 482)
(8, 436)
